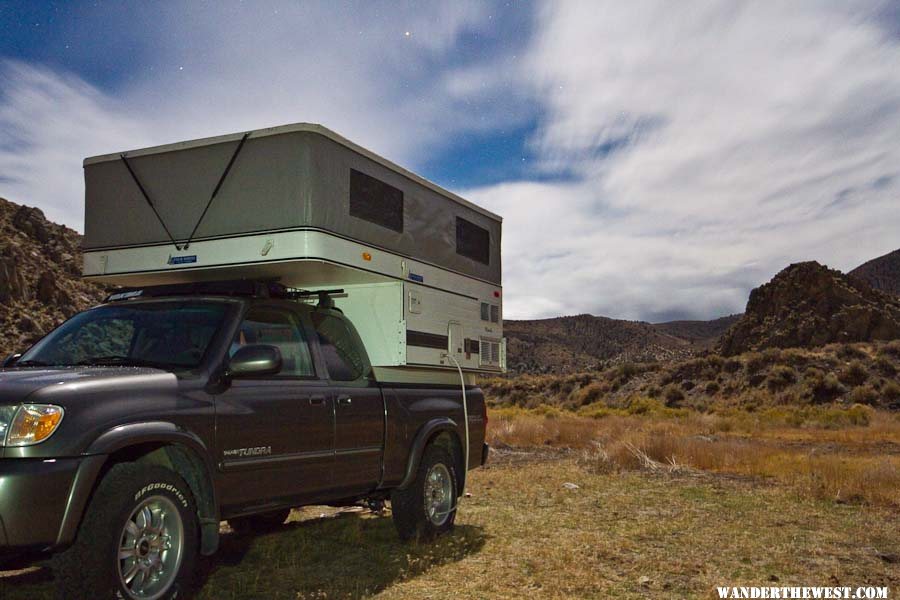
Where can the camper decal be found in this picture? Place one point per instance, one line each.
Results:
(182, 260)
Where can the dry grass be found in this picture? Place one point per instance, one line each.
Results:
(523, 534)
(849, 456)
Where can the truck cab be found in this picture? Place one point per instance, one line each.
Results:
(138, 425)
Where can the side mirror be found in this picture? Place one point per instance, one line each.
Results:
(255, 360)
(11, 360)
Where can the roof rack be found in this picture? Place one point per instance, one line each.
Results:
(240, 288)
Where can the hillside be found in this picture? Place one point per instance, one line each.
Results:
(807, 305)
(40, 267)
(585, 342)
(842, 374)
(882, 273)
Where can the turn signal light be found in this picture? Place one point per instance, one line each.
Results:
(33, 424)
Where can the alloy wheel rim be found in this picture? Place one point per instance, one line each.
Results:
(151, 549)
(438, 494)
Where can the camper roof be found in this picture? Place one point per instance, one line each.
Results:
(292, 128)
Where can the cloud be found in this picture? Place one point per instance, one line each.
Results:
(680, 155)
(710, 146)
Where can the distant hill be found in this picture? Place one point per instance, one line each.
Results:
(882, 273)
(40, 268)
(586, 342)
(808, 304)
(704, 334)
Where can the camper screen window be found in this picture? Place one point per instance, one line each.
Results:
(375, 201)
(473, 241)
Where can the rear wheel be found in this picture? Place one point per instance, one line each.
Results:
(259, 523)
(427, 508)
(138, 540)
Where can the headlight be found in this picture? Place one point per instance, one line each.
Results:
(32, 424)
(6, 416)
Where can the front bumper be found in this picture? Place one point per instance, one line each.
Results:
(34, 497)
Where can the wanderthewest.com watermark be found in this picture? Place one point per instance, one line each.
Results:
(830, 593)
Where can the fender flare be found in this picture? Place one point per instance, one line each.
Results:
(132, 434)
(417, 449)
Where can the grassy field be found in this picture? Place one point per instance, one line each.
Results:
(524, 533)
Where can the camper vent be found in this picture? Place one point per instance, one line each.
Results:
(490, 352)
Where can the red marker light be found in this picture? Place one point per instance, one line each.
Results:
(496, 294)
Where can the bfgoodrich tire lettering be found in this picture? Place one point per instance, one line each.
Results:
(144, 509)
(409, 508)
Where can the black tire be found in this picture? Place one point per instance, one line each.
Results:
(90, 568)
(408, 506)
(261, 523)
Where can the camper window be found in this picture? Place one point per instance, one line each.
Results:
(375, 201)
(473, 241)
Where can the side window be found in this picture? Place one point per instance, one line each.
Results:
(279, 328)
(375, 201)
(341, 348)
(473, 241)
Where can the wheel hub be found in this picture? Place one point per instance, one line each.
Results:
(438, 494)
(151, 549)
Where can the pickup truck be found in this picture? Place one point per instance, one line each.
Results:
(132, 430)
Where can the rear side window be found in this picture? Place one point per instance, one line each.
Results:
(473, 241)
(341, 348)
(375, 201)
(279, 328)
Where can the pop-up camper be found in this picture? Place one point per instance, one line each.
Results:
(419, 267)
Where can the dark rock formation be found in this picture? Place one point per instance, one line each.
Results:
(807, 305)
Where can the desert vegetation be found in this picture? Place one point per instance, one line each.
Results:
(834, 375)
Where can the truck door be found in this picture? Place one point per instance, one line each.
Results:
(359, 405)
(275, 434)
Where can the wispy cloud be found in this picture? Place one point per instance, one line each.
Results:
(711, 144)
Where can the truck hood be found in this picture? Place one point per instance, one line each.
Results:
(58, 385)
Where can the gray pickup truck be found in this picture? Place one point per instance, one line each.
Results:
(131, 431)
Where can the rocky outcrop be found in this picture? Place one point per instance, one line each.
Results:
(808, 304)
(882, 273)
(40, 284)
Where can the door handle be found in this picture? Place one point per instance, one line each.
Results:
(317, 400)
(345, 400)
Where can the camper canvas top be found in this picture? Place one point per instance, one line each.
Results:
(300, 177)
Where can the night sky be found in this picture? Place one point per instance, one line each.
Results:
(651, 161)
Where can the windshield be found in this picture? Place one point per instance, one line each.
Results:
(168, 335)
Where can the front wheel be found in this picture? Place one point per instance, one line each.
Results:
(427, 508)
(138, 541)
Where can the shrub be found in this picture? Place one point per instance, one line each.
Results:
(731, 365)
(891, 349)
(673, 396)
(850, 352)
(885, 366)
(823, 388)
(712, 388)
(755, 362)
(589, 394)
(891, 392)
(854, 374)
(863, 395)
(794, 356)
(780, 377)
